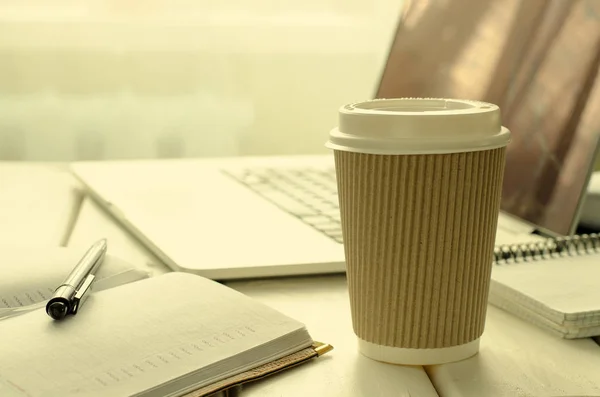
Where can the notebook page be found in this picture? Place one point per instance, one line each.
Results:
(132, 338)
(568, 285)
(29, 275)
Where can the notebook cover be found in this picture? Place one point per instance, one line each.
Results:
(304, 355)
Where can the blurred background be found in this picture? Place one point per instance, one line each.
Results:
(122, 79)
(118, 79)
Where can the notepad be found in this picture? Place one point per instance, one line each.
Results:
(162, 336)
(558, 291)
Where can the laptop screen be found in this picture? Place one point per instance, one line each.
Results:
(539, 61)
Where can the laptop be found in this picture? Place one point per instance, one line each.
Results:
(250, 217)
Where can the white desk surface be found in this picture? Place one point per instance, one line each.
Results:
(519, 359)
(516, 359)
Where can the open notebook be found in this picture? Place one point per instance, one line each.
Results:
(162, 336)
(553, 284)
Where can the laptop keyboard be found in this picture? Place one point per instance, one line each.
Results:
(309, 194)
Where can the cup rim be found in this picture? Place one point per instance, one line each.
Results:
(418, 126)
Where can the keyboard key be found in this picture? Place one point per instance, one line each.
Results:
(335, 234)
(336, 217)
(298, 194)
(305, 197)
(333, 198)
(316, 220)
(261, 188)
(251, 179)
(330, 227)
(287, 203)
(316, 202)
(332, 212)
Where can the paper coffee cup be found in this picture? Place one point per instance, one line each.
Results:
(419, 184)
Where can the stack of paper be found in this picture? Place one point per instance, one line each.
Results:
(561, 295)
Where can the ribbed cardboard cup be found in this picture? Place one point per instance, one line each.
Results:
(419, 231)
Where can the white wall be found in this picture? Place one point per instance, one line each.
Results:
(128, 79)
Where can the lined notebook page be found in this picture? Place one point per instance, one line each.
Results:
(29, 275)
(567, 288)
(130, 339)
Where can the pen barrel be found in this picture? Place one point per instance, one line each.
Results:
(87, 265)
(64, 293)
(69, 296)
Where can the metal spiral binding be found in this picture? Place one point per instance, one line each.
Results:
(557, 246)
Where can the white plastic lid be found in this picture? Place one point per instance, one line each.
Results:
(418, 126)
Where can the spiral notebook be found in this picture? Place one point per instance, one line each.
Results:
(554, 284)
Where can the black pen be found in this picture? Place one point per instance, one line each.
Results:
(70, 295)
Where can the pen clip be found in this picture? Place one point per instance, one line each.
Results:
(82, 293)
